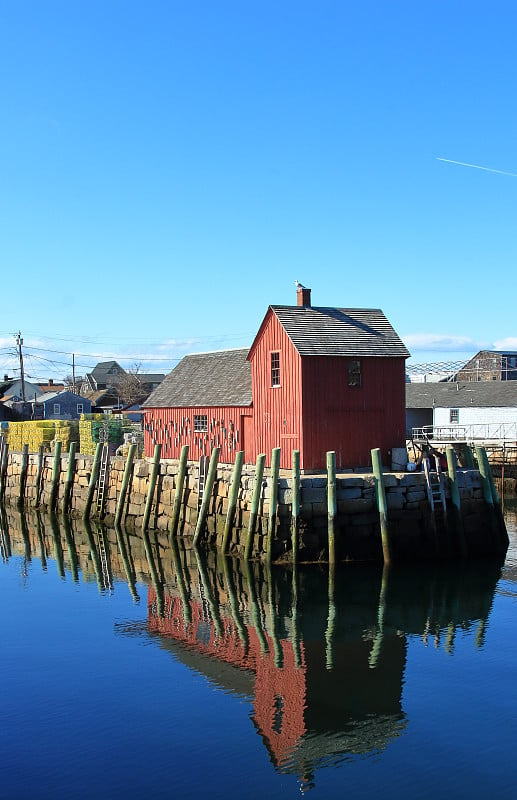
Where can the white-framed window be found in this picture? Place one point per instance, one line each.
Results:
(200, 423)
(354, 373)
(57, 408)
(275, 369)
(454, 416)
(80, 408)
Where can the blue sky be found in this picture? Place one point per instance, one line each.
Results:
(168, 169)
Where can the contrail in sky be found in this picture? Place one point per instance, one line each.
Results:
(476, 166)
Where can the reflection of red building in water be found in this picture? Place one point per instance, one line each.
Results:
(305, 712)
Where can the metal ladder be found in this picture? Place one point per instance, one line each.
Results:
(203, 470)
(103, 555)
(103, 477)
(434, 484)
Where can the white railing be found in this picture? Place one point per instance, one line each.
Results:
(486, 432)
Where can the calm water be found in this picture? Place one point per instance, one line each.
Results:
(129, 669)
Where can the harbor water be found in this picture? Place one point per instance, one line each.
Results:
(133, 667)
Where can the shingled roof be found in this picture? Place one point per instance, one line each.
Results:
(220, 378)
(322, 331)
(476, 394)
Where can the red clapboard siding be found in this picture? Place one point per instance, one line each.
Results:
(174, 427)
(277, 410)
(352, 420)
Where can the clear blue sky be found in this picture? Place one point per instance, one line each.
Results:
(168, 169)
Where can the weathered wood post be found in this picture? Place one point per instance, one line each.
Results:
(232, 500)
(255, 502)
(273, 502)
(178, 497)
(23, 475)
(469, 457)
(125, 483)
(39, 474)
(3, 469)
(94, 477)
(381, 504)
(155, 468)
(486, 474)
(69, 483)
(295, 504)
(209, 485)
(56, 472)
(331, 504)
(452, 468)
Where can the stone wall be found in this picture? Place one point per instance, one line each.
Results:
(415, 531)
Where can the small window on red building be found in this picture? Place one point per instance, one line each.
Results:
(200, 423)
(275, 369)
(354, 373)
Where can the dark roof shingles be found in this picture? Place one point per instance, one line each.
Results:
(221, 378)
(478, 394)
(321, 331)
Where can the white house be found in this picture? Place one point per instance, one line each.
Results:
(474, 410)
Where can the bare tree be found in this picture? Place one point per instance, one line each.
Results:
(129, 386)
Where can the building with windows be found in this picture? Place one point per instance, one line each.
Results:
(61, 405)
(315, 379)
(490, 365)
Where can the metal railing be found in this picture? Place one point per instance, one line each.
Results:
(484, 431)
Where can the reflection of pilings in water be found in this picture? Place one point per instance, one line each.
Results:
(255, 611)
(381, 613)
(58, 550)
(72, 553)
(273, 620)
(157, 584)
(208, 592)
(449, 639)
(4, 535)
(230, 588)
(296, 626)
(93, 552)
(130, 575)
(480, 633)
(329, 633)
(42, 551)
(178, 569)
(25, 535)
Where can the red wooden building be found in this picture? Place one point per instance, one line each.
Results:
(314, 379)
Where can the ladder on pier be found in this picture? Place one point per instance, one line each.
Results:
(103, 477)
(435, 484)
(203, 471)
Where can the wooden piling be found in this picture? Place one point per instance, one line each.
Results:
(452, 468)
(232, 500)
(56, 471)
(155, 468)
(94, 477)
(273, 502)
(180, 481)
(496, 503)
(69, 483)
(331, 505)
(125, 483)
(295, 504)
(23, 475)
(39, 474)
(255, 502)
(381, 504)
(3, 469)
(468, 457)
(207, 493)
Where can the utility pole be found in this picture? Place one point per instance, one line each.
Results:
(19, 342)
(73, 372)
